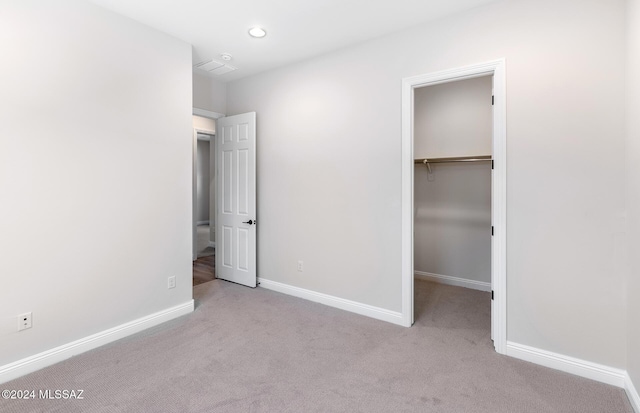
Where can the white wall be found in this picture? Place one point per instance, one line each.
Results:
(209, 93)
(452, 220)
(452, 206)
(328, 152)
(633, 189)
(203, 180)
(453, 119)
(95, 172)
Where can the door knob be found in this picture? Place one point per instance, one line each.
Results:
(250, 222)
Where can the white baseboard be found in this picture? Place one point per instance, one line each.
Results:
(55, 355)
(598, 372)
(632, 393)
(449, 280)
(202, 223)
(212, 244)
(347, 305)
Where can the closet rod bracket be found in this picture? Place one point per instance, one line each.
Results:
(426, 162)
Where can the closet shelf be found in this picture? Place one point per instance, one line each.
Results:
(428, 161)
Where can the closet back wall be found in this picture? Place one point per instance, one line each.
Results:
(452, 219)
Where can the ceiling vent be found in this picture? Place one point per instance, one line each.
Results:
(215, 67)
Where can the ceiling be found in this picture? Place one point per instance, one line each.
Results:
(296, 29)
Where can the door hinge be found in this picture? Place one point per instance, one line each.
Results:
(492, 164)
(492, 99)
(492, 294)
(492, 230)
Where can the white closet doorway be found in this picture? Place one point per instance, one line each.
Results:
(453, 189)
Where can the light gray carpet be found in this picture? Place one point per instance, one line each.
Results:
(246, 350)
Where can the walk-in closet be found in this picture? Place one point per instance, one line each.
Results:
(453, 127)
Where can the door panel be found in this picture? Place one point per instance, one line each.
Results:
(236, 242)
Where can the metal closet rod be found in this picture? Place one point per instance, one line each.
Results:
(481, 158)
(428, 161)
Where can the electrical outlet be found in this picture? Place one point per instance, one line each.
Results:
(300, 266)
(24, 321)
(171, 282)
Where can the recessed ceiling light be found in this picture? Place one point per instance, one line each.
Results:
(226, 56)
(257, 32)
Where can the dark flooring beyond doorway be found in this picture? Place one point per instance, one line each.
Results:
(204, 270)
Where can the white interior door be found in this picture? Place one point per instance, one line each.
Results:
(236, 212)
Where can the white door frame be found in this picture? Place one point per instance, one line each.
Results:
(498, 196)
(194, 161)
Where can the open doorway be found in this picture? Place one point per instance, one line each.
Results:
(204, 197)
(452, 206)
(232, 202)
(204, 264)
(463, 185)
